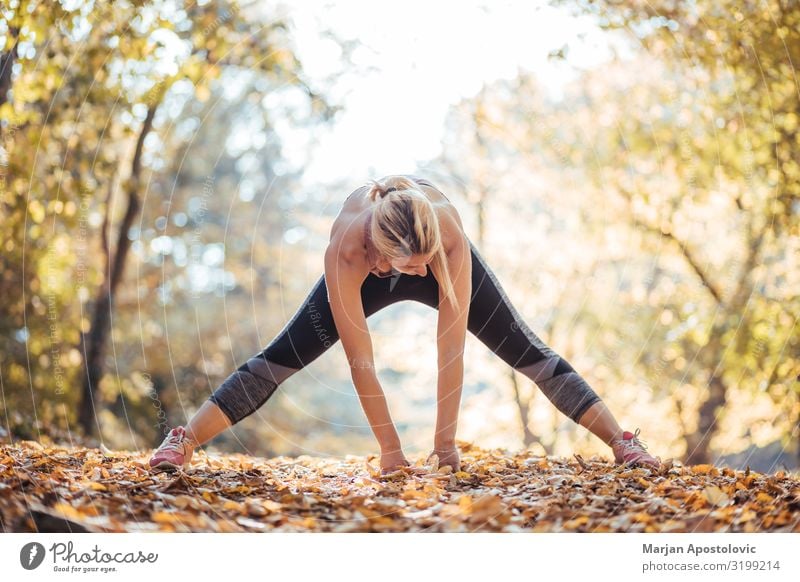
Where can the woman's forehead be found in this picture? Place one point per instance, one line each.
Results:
(413, 259)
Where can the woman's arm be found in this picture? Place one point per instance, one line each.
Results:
(451, 333)
(343, 278)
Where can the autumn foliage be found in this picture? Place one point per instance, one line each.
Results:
(82, 489)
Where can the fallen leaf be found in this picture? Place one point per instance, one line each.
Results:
(716, 496)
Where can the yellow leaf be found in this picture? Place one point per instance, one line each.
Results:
(577, 522)
(762, 497)
(783, 518)
(183, 501)
(413, 494)
(67, 510)
(231, 505)
(165, 517)
(91, 510)
(716, 496)
(311, 523)
(705, 470)
(270, 505)
(486, 507)
(186, 520)
(747, 515)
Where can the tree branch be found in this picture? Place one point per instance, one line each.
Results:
(687, 253)
(705, 279)
(123, 242)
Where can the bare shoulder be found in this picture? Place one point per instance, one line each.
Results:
(347, 232)
(452, 229)
(346, 239)
(346, 242)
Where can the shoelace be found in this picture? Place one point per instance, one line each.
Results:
(634, 442)
(174, 441)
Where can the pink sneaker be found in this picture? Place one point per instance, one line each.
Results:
(631, 451)
(176, 451)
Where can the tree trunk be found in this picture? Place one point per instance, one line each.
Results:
(796, 431)
(697, 443)
(93, 343)
(7, 61)
(524, 406)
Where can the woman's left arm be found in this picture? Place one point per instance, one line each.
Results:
(451, 332)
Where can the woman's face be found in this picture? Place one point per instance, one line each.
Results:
(412, 264)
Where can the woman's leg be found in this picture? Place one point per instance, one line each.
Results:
(207, 423)
(309, 333)
(599, 420)
(494, 320)
(249, 386)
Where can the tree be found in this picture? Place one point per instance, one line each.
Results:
(80, 120)
(728, 132)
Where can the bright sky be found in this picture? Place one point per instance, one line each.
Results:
(417, 58)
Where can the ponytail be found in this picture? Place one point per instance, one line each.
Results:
(404, 223)
(380, 189)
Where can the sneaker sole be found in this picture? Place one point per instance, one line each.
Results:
(167, 466)
(634, 464)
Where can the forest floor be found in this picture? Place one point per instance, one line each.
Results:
(83, 489)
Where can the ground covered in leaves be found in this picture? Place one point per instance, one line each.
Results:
(81, 489)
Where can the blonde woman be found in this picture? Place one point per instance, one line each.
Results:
(394, 239)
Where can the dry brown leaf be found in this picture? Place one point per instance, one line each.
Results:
(92, 490)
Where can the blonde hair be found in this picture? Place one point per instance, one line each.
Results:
(404, 223)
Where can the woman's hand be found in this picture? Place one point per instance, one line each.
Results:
(448, 456)
(393, 460)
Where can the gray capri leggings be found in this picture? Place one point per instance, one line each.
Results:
(492, 319)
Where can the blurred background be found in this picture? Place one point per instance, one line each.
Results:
(169, 173)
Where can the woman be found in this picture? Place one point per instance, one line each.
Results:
(394, 239)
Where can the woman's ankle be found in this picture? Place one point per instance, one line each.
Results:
(617, 436)
(191, 439)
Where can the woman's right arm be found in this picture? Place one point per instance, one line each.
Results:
(343, 278)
